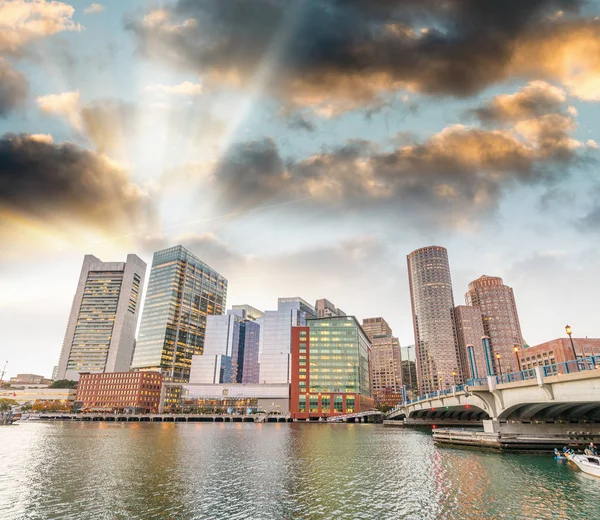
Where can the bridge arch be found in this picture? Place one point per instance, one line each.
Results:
(552, 411)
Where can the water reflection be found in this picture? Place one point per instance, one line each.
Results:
(185, 471)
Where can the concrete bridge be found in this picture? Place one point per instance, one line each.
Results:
(369, 416)
(564, 398)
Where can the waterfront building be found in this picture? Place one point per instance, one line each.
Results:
(250, 369)
(101, 329)
(252, 313)
(500, 318)
(385, 361)
(469, 332)
(432, 301)
(182, 292)
(275, 338)
(555, 351)
(120, 392)
(330, 374)
(59, 398)
(324, 309)
(236, 398)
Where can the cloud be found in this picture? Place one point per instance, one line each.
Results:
(299, 122)
(46, 183)
(187, 88)
(452, 179)
(24, 21)
(66, 104)
(13, 89)
(94, 8)
(339, 55)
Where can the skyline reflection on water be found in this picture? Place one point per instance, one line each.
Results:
(271, 471)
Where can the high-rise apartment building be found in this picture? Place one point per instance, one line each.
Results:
(500, 318)
(101, 329)
(438, 360)
(182, 292)
(386, 361)
(252, 313)
(276, 338)
(330, 375)
(324, 309)
(469, 332)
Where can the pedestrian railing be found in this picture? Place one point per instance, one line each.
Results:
(569, 367)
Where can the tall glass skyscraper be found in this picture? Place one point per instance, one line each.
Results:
(438, 357)
(101, 330)
(182, 292)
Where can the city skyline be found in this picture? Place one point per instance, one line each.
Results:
(293, 164)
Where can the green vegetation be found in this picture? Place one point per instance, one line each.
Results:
(6, 404)
(64, 383)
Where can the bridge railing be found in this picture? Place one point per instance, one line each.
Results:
(477, 381)
(513, 377)
(569, 367)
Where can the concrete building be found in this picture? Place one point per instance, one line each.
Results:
(252, 313)
(556, 351)
(182, 292)
(239, 398)
(55, 371)
(104, 316)
(120, 392)
(30, 379)
(469, 332)
(500, 318)
(324, 309)
(330, 368)
(385, 362)
(276, 337)
(48, 396)
(432, 301)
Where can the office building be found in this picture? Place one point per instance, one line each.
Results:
(324, 309)
(330, 374)
(137, 392)
(558, 350)
(500, 318)
(182, 292)
(469, 332)
(101, 329)
(409, 377)
(432, 301)
(252, 313)
(386, 362)
(30, 379)
(276, 335)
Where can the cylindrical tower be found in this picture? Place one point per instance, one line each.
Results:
(438, 360)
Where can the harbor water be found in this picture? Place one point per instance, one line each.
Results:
(55, 470)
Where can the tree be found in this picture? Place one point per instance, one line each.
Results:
(64, 383)
(385, 408)
(7, 404)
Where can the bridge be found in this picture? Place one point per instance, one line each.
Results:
(369, 416)
(564, 398)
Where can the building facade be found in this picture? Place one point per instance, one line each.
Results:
(101, 330)
(437, 354)
(385, 362)
(30, 379)
(182, 292)
(469, 332)
(324, 309)
(46, 398)
(276, 338)
(330, 368)
(252, 313)
(557, 351)
(120, 392)
(500, 318)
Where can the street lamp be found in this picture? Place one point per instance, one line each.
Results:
(569, 332)
(499, 364)
(454, 377)
(516, 349)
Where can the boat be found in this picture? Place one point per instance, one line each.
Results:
(559, 455)
(589, 464)
(8, 418)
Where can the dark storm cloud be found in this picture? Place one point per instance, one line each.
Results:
(48, 182)
(351, 52)
(13, 89)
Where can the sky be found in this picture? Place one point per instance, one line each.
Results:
(300, 148)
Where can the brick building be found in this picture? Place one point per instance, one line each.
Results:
(120, 391)
(558, 351)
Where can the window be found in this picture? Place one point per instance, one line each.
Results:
(302, 403)
(349, 404)
(314, 403)
(325, 403)
(337, 404)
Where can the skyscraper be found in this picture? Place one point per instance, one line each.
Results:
(469, 331)
(386, 361)
(182, 292)
(500, 318)
(324, 309)
(432, 301)
(101, 329)
(276, 337)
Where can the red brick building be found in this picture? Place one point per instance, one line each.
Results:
(330, 369)
(120, 391)
(558, 351)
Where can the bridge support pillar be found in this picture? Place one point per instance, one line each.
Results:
(491, 426)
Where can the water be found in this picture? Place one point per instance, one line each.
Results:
(272, 471)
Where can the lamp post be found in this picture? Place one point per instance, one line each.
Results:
(516, 350)
(569, 332)
(454, 377)
(498, 363)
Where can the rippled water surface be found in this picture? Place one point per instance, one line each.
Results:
(271, 471)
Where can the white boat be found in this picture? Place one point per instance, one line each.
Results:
(589, 464)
